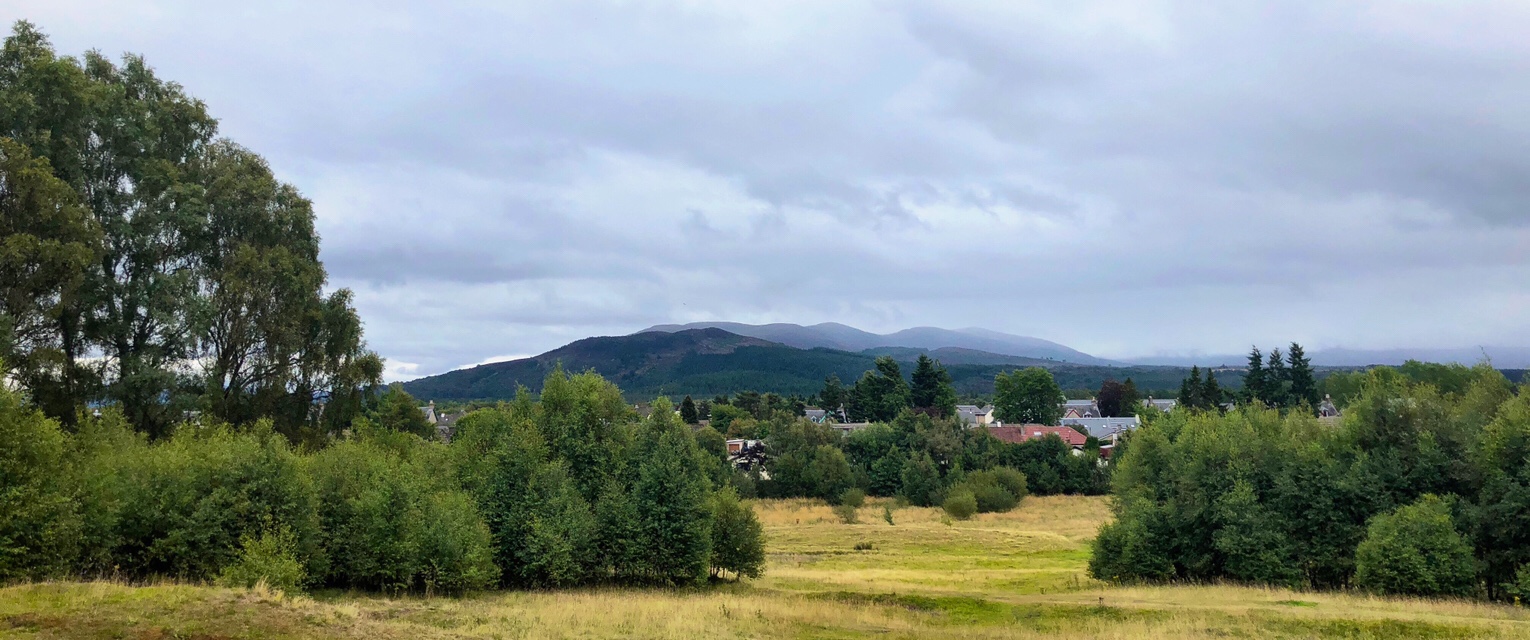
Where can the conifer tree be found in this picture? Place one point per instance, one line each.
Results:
(1131, 398)
(931, 390)
(1277, 380)
(832, 396)
(1190, 392)
(1254, 378)
(1211, 392)
(688, 411)
(1303, 383)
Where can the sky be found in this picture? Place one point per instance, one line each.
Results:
(1130, 178)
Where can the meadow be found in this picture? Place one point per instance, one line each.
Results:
(1012, 575)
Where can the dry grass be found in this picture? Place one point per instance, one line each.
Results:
(1015, 575)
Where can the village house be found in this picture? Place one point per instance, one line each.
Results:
(1081, 409)
(1104, 428)
(1161, 405)
(972, 415)
(1022, 433)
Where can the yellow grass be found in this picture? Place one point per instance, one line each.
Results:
(1014, 575)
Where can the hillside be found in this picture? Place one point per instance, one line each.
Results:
(709, 361)
(831, 335)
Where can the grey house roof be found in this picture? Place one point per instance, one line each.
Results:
(1103, 427)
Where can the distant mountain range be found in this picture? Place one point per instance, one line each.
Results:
(703, 362)
(709, 358)
(832, 335)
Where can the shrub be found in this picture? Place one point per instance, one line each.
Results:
(847, 514)
(738, 540)
(1415, 550)
(852, 497)
(961, 504)
(39, 526)
(270, 558)
(456, 552)
(995, 490)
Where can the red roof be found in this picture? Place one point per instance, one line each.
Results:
(1031, 431)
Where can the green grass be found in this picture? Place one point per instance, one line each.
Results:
(1015, 575)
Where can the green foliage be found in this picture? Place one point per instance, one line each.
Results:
(398, 411)
(921, 480)
(271, 559)
(1304, 390)
(672, 495)
(1415, 550)
(931, 391)
(852, 497)
(39, 524)
(156, 244)
(738, 539)
(1029, 396)
(829, 473)
(996, 490)
(880, 394)
(833, 395)
(960, 504)
(688, 413)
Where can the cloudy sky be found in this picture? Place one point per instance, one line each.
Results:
(1129, 178)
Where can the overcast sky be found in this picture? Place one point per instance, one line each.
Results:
(1128, 178)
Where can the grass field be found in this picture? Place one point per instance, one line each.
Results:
(1014, 575)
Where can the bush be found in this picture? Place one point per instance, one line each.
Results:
(270, 558)
(996, 490)
(39, 526)
(1415, 550)
(961, 504)
(847, 514)
(853, 498)
(738, 540)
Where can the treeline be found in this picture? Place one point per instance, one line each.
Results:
(1418, 489)
(571, 489)
(149, 264)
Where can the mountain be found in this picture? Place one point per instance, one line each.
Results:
(704, 362)
(832, 335)
(949, 356)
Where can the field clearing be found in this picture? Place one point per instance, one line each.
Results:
(1014, 575)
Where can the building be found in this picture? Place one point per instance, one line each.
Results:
(1327, 411)
(973, 415)
(1104, 428)
(1081, 409)
(815, 415)
(1026, 432)
(1161, 405)
(846, 428)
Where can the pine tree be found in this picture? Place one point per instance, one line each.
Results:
(1190, 392)
(1303, 383)
(1277, 380)
(1211, 392)
(688, 411)
(832, 396)
(1254, 378)
(931, 390)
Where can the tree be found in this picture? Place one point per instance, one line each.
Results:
(199, 256)
(1277, 380)
(672, 497)
(688, 412)
(833, 395)
(738, 540)
(1415, 550)
(1211, 392)
(1254, 378)
(880, 394)
(1191, 393)
(48, 243)
(1131, 398)
(1028, 396)
(399, 411)
(921, 480)
(931, 391)
(1111, 398)
(1304, 388)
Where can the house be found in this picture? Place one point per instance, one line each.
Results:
(1026, 432)
(815, 415)
(973, 415)
(1327, 411)
(1103, 428)
(446, 425)
(1161, 405)
(430, 412)
(738, 446)
(1081, 409)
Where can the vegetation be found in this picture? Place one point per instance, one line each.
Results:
(1030, 396)
(1262, 497)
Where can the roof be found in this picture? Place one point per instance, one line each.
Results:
(1161, 404)
(1103, 427)
(1022, 433)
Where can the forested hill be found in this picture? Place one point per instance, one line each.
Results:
(710, 361)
